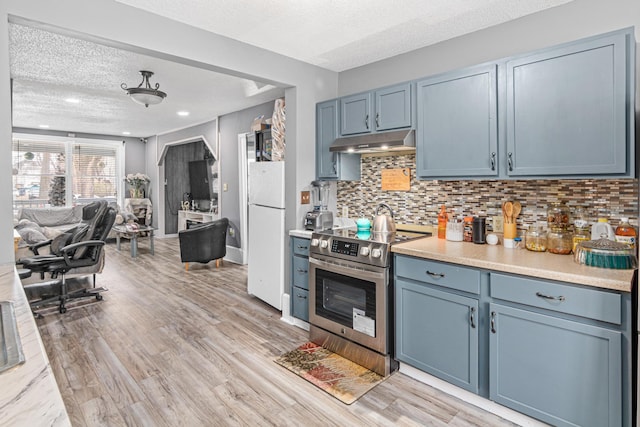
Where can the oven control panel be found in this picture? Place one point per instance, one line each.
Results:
(344, 248)
(361, 251)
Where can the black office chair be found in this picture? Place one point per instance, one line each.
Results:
(204, 242)
(81, 248)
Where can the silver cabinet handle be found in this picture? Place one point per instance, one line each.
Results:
(301, 296)
(377, 120)
(299, 270)
(472, 317)
(432, 274)
(510, 161)
(366, 121)
(303, 247)
(493, 161)
(549, 297)
(493, 322)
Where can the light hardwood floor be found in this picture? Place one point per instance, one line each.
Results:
(168, 347)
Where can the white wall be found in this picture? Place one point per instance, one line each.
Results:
(122, 26)
(571, 21)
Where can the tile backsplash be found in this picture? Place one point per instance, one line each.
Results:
(612, 198)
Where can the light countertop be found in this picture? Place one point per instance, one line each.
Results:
(29, 394)
(543, 265)
(338, 224)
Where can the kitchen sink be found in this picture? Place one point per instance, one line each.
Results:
(10, 347)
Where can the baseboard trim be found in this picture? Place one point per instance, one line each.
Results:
(471, 398)
(234, 255)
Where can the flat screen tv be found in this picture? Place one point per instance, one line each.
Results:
(200, 179)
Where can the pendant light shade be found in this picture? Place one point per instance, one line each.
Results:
(144, 94)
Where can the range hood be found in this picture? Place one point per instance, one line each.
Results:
(399, 140)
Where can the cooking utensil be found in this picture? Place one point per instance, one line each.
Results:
(517, 208)
(383, 223)
(508, 212)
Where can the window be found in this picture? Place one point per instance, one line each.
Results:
(56, 172)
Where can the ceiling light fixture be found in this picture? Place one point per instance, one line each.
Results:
(73, 100)
(145, 95)
(126, 133)
(183, 113)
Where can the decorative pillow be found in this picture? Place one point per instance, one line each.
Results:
(51, 233)
(32, 235)
(25, 223)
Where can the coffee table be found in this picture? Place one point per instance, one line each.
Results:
(133, 234)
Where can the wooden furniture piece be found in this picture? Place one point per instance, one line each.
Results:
(142, 209)
(194, 216)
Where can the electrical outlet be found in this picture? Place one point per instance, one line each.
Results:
(497, 223)
(345, 212)
(305, 197)
(225, 187)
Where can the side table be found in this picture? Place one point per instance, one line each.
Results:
(133, 234)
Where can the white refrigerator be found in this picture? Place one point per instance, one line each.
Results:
(266, 232)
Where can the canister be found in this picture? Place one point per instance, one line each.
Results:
(479, 230)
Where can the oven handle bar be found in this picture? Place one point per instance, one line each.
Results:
(366, 273)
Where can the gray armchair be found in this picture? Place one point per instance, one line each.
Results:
(204, 242)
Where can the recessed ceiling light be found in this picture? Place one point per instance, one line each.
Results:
(183, 113)
(73, 100)
(126, 133)
(43, 126)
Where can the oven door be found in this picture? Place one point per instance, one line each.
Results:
(350, 300)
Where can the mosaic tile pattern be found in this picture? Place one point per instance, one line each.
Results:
(613, 198)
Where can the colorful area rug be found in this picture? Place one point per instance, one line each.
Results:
(341, 378)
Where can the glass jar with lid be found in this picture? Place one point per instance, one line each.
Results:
(559, 241)
(557, 215)
(581, 228)
(535, 239)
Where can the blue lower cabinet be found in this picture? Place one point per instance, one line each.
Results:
(560, 371)
(300, 304)
(299, 274)
(437, 332)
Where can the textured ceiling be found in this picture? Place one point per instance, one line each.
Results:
(48, 68)
(342, 34)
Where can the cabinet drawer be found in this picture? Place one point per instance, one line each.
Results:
(300, 304)
(300, 246)
(300, 274)
(579, 301)
(439, 273)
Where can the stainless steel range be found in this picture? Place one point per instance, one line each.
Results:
(351, 295)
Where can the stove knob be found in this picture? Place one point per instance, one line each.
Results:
(324, 244)
(364, 251)
(314, 242)
(376, 253)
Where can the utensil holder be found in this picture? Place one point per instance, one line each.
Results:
(510, 231)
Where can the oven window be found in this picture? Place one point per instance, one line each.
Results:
(337, 296)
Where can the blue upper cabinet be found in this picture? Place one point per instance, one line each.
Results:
(332, 166)
(569, 109)
(355, 114)
(457, 127)
(376, 111)
(393, 107)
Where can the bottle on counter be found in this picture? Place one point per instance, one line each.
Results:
(602, 230)
(625, 233)
(442, 223)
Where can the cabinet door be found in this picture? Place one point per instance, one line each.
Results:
(437, 332)
(393, 107)
(563, 372)
(300, 273)
(457, 129)
(326, 133)
(567, 110)
(300, 304)
(355, 114)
